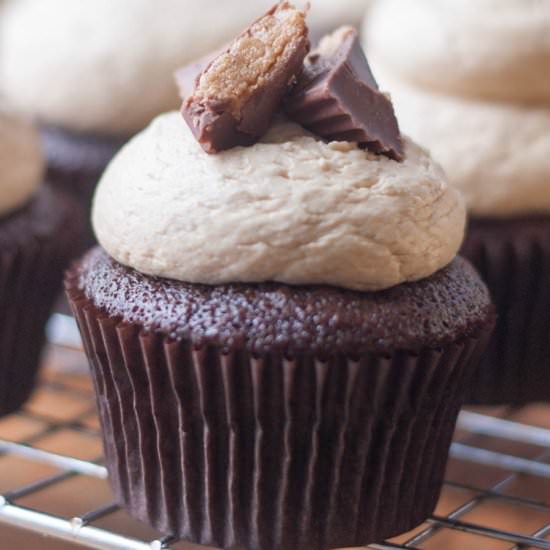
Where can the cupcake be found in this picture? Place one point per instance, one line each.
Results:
(475, 90)
(280, 333)
(38, 228)
(100, 71)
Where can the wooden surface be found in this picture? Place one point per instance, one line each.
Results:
(65, 394)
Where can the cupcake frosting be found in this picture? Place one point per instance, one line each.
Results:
(291, 209)
(497, 49)
(105, 66)
(475, 90)
(21, 162)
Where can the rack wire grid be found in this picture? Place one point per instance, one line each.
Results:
(53, 483)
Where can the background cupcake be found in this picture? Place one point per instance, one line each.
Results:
(95, 73)
(38, 229)
(475, 89)
(326, 15)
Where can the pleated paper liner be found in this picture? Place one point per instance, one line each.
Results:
(513, 257)
(265, 453)
(36, 245)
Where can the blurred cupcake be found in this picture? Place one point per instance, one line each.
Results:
(96, 72)
(326, 15)
(475, 89)
(280, 336)
(38, 229)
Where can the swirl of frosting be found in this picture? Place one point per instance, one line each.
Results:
(291, 209)
(496, 49)
(21, 162)
(106, 66)
(497, 154)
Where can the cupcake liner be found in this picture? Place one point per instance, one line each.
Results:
(33, 255)
(271, 452)
(514, 259)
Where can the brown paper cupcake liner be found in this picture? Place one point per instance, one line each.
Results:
(36, 244)
(270, 452)
(513, 257)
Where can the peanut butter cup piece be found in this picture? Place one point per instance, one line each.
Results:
(337, 97)
(236, 95)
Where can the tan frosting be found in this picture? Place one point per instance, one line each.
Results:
(107, 66)
(484, 48)
(474, 90)
(291, 208)
(21, 162)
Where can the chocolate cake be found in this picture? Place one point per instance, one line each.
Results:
(449, 306)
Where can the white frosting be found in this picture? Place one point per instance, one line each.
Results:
(21, 162)
(291, 209)
(485, 48)
(107, 66)
(475, 90)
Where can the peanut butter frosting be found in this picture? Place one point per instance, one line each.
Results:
(291, 209)
(475, 90)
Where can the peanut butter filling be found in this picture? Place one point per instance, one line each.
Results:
(255, 57)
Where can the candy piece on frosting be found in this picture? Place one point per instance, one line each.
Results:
(337, 97)
(237, 94)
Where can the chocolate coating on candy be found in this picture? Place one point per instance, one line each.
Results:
(450, 305)
(337, 97)
(237, 94)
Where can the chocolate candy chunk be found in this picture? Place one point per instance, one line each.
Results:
(337, 97)
(236, 95)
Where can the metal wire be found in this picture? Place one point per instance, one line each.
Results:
(84, 530)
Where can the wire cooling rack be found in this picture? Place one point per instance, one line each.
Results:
(53, 483)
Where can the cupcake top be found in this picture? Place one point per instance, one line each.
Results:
(106, 66)
(21, 162)
(291, 208)
(475, 90)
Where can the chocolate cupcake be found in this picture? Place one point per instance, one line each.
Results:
(98, 72)
(280, 335)
(291, 414)
(38, 229)
(483, 111)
